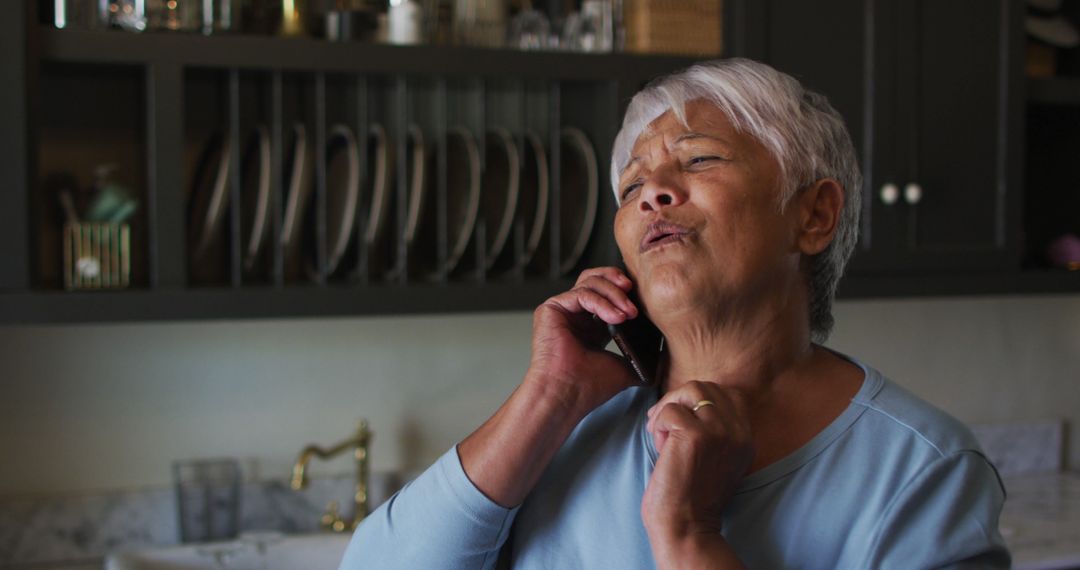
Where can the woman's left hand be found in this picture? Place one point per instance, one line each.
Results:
(703, 455)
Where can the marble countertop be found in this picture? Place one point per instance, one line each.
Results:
(1041, 520)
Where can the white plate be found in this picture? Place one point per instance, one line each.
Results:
(533, 199)
(416, 180)
(416, 157)
(499, 191)
(578, 196)
(463, 198)
(462, 192)
(256, 198)
(381, 164)
(210, 195)
(342, 192)
(299, 191)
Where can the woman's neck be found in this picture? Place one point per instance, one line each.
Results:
(795, 389)
(749, 353)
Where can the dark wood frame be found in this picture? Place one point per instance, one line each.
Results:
(15, 84)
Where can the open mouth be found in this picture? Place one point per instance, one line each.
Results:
(662, 233)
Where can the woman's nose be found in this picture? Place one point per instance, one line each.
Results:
(662, 189)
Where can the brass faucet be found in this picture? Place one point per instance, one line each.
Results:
(332, 520)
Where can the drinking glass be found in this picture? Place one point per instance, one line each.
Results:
(592, 29)
(207, 498)
(530, 29)
(80, 14)
(220, 16)
(129, 15)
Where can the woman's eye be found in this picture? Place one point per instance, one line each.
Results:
(629, 189)
(702, 159)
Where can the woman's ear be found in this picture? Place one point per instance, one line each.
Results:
(820, 206)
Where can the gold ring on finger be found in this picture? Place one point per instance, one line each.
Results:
(702, 404)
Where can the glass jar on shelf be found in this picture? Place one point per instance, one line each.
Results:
(405, 22)
(129, 15)
(529, 29)
(480, 22)
(174, 15)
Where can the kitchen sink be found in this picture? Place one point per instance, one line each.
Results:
(252, 551)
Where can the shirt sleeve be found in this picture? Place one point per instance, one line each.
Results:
(439, 520)
(945, 517)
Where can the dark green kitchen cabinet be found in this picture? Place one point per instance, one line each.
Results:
(932, 93)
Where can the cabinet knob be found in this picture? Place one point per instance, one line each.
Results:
(912, 193)
(890, 193)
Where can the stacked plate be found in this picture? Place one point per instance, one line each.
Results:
(497, 203)
(209, 205)
(579, 178)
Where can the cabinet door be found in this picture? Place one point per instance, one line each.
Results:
(929, 93)
(821, 45)
(846, 50)
(954, 103)
(941, 118)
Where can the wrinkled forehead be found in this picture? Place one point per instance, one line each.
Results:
(648, 108)
(698, 116)
(667, 122)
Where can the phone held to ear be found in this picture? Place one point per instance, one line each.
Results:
(640, 341)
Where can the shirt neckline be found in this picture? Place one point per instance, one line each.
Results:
(871, 385)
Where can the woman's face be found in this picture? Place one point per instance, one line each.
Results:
(699, 224)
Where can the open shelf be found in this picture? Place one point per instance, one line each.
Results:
(314, 55)
(47, 307)
(228, 83)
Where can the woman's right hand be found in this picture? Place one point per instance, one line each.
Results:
(570, 375)
(568, 343)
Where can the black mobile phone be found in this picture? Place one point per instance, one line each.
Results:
(640, 342)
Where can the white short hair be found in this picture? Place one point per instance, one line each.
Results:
(799, 127)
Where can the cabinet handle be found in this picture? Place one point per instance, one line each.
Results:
(890, 193)
(912, 193)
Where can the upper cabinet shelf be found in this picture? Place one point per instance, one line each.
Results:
(337, 300)
(154, 102)
(305, 54)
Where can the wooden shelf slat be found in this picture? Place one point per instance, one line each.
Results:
(340, 300)
(137, 305)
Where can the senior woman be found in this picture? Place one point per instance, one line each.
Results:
(738, 194)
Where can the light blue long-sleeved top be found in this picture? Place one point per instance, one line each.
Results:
(891, 483)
